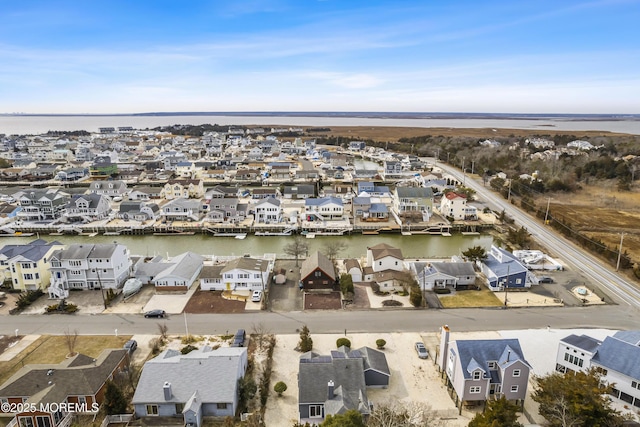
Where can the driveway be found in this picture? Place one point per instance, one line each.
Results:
(286, 297)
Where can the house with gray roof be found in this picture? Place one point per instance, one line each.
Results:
(455, 274)
(111, 188)
(335, 383)
(79, 380)
(27, 266)
(238, 274)
(323, 209)
(175, 274)
(202, 383)
(138, 210)
(182, 210)
(414, 203)
(41, 205)
(318, 272)
(616, 358)
(87, 208)
(479, 370)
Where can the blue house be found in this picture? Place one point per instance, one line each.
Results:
(503, 270)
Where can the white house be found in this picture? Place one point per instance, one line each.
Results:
(353, 268)
(454, 205)
(268, 211)
(385, 257)
(238, 274)
(180, 272)
(323, 209)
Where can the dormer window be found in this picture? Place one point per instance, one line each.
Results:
(491, 365)
(477, 375)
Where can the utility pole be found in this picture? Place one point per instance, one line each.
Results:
(509, 195)
(464, 177)
(619, 252)
(546, 215)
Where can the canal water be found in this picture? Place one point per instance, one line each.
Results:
(416, 246)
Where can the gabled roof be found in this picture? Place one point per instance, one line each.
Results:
(184, 265)
(382, 250)
(212, 373)
(33, 251)
(323, 201)
(315, 261)
(620, 356)
(86, 251)
(80, 375)
(250, 264)
(455, 269)
(352, 263)
(632, 337)
(414, 192)
(474, 354)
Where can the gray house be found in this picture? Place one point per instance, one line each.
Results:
(338, 382)
(478, 370)
(459, 275)
(191, 386)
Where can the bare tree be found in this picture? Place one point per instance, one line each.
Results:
(332, 248)
(71, 338)
(260, 331)
(164, 330)
(410, 414)
(296, 248)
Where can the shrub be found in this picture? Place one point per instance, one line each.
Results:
(343, 342)
(415, 296)
(155, 345)
(392, 303)
(188, 349)
(346, 284)
(306, 343)
(280, 388)
(442, 291)
(380, 343)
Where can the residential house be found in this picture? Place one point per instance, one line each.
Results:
(182, 210)
(367, 210)
(175, 274)
(353, 268)
(383, 257)
(87, 208)
(268, 211)
(72, 174)
(27, 266)
(323, 209)
(228, 209)
(251, 175)
(280, 171)
(201, 383)
(479, 370)
(41, 204)
(220, 191)
(318, 272)
(457, 274)
(503, 270)
(264, 192)
(103, 167)
(108, 188)
(302, 191)
(357, 145)
(57, 391)
(88, 266)
(414, 203)
(139, 211)
(335, 383)
(239, 274)
(615, 358)
(368, 188)
(392, 169)
(183, 188)
(454, 205)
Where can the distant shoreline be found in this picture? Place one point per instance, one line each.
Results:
(373, 115)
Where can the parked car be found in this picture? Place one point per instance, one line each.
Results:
(155, 313)
(238, 338)
(130, 346)
(256, 296)
(421, 350)
(545, 279)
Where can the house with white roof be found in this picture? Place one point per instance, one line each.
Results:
(203, 382)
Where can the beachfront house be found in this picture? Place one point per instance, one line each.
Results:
(87, 208)
(413, 203)
(454, 205)
(268, 211)
(323, 209)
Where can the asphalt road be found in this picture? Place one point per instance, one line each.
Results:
(618, 288)
(470, 319)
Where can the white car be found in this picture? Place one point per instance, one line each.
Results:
(256, 296)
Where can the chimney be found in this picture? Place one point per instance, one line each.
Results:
(330, 387)
(508, 355)
(444, 347)
(166, 388)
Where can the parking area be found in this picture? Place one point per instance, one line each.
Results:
(287, 296)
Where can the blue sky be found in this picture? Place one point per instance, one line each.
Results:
(125, 56)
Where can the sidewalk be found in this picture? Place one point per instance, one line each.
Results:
(13, 351)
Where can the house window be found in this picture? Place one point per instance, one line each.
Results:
(635, 384)
(516, 373)
(221, 405)
(514, 389)
(318, 274)
(152, 409)
(477, 375)
(475, 389)
(43, 421)
(26, 422)
(315, 411)
(491, 365)
(82, 400)
(28, 276)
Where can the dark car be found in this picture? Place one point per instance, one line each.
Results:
(155, 313)
(545, 279)
(130, 346)
(238, 338)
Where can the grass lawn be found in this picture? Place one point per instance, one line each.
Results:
(54, 349)
(471, 298)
